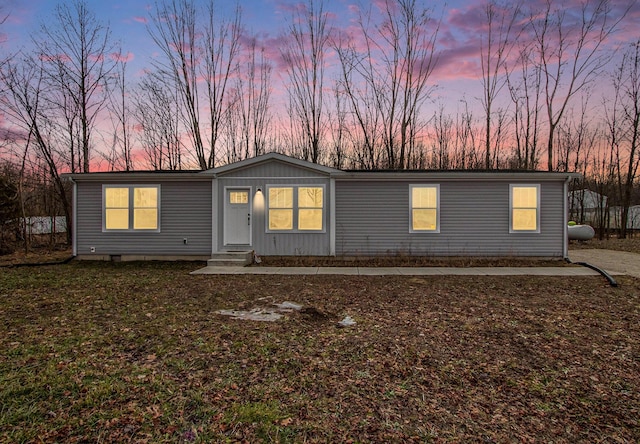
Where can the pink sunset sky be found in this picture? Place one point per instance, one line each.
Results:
(456, 79)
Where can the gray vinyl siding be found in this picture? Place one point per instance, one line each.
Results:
(185, 212)
(272, 169)
(278, 244)
(372, 218)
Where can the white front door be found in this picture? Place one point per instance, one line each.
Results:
(237, 216)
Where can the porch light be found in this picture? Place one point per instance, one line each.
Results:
(258, 201)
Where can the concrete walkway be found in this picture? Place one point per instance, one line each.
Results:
(406, 271)
(614, 262)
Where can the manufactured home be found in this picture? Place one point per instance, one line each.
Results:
(275, 205)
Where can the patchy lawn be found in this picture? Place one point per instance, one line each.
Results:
(113, 352)
(631, 245)
(35, 256)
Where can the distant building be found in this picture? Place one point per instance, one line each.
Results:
(585, 206)
(46, 224)
(633, 219)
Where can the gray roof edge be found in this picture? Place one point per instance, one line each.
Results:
(455, 175)
(122, 176)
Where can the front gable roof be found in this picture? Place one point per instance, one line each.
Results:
(270, 157)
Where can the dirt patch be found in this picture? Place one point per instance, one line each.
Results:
(276, 311)
(270, 313)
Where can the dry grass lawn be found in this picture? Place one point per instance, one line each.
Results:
(104, 352)
(631, 245)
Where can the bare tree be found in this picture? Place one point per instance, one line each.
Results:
(56, 93)
(339, 129)
(24, 103)
(495, 47)
(75, 49)
(602, 179)
(624, 127)
(232, 143)
(526, 95)
(174, 30)
(220, 51)
(577, 137)
(158, 118)
(120, 113)
(399, 59)
(194, 50)
(466, 140)
(359, 98)
(443, 137)
(571, 55)
(253, 92)
(305, 60)
(3, 19)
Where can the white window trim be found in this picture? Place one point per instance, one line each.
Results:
(131, 188)
(524, 185)
(424, 185)
(296, 208)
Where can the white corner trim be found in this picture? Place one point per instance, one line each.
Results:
(214, 216)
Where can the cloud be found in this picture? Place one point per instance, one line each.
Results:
(16, 12)
(353, 9)
(140, 19)
(273, 51)
(54, 58)
(458, 62)
(470, 20)
(291, 8)
(120, 57)
(10, 134)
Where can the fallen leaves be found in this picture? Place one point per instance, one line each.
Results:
(142, 356)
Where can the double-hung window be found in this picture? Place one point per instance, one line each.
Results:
(525, 208)
(425, 206)
(295, 208)
(310, 201)
(131, 207)
(280, 208)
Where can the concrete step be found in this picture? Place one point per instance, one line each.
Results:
(231, 259)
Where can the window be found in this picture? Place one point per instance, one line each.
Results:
(424, 201)
(116, 208)
(238, 197)
(525, 205)
(295, 208)
(281, 208)
(310, 208)
(129, 207)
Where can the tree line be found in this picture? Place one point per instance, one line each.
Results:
(360, 97)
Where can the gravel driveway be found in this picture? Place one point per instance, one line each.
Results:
(609, 260)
